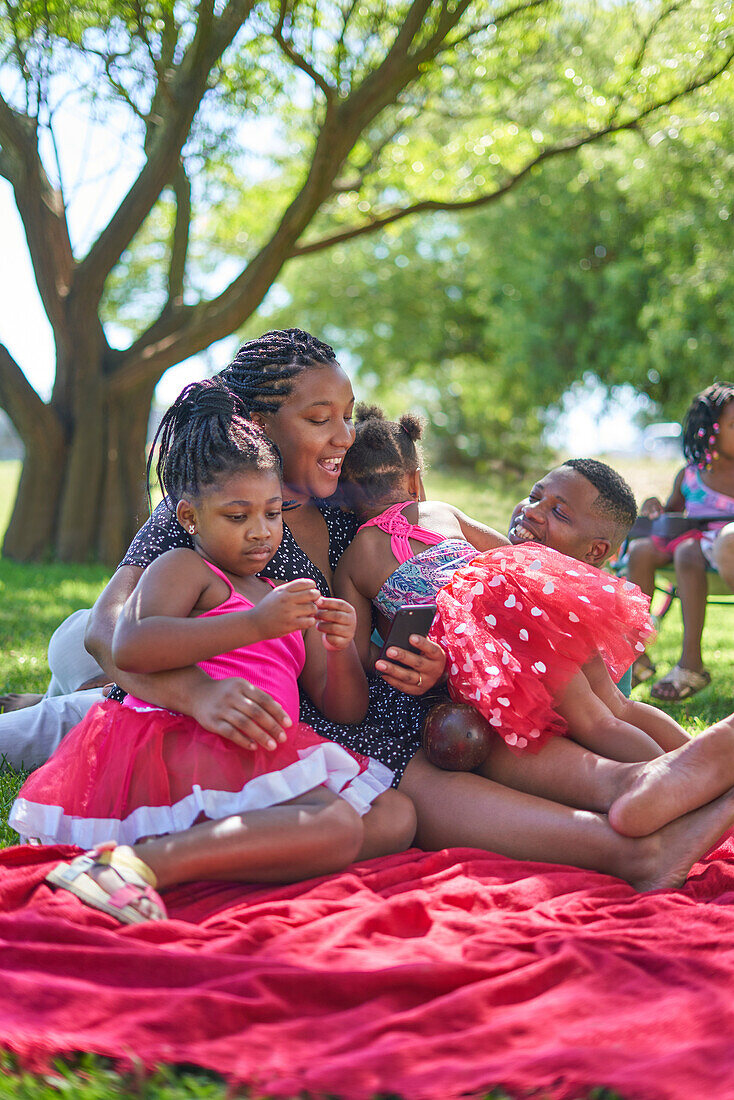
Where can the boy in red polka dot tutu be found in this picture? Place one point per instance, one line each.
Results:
(534, 638)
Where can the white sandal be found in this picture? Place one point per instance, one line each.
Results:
(138, 881)
(684, 682)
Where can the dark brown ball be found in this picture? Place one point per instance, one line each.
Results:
(456, 737)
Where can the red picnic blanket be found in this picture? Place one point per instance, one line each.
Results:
(423, 975)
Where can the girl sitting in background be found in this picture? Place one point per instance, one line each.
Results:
(286, 810)
(705, 486)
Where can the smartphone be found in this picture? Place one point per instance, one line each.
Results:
(411, 618)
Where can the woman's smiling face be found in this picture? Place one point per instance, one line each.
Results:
(313, 430)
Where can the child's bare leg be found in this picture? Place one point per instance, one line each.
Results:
(690, 574)
(314, 834)
(389, 825)
(663, 729)
(561, 771)
(644, 559)
(677, 782)
(463, 809)
(593, 725)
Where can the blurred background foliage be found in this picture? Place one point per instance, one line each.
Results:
(611, 262)
(618, 265)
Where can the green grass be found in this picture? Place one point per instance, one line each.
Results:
(34, 599)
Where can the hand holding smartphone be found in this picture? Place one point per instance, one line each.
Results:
(409, 619)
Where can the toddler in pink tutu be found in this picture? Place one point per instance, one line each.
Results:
(531, 635)
(216, 808)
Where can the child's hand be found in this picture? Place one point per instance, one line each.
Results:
(424, 669)
(288, 607)
(651, 508)
(337, 622)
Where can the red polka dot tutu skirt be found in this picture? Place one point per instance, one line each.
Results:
(517, 623)
(123, 774)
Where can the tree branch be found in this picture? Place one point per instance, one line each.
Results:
(297, 58)
(494, 21)
(25, 408)
(434, 206)
(42, 212)
(339, 48)
(187, 88)
(642, 48)
(188, 329)
(180, 238)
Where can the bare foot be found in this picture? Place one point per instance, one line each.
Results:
(663, 789)
(662, 861)
(18, 700)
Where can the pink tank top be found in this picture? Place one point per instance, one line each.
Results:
(393, 522)
(273, 665)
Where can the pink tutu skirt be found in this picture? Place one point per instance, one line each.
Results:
(517, 623)
(124, 774)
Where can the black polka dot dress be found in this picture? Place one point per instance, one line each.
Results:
(391, 730)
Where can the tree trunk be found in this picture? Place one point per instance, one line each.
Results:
(30, 533)
(93, 486)
(124, 505)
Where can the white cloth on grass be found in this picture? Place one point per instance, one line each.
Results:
(29, 736)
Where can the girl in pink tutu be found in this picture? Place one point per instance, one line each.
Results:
(215, 807)
(533, 638)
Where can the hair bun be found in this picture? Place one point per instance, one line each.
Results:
(210, 397)
(412, 425)
(363, 411)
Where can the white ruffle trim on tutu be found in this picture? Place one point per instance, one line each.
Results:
(327, 764)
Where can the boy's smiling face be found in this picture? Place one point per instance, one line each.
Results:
(560, 512)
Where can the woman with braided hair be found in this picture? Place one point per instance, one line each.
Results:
(705, 486)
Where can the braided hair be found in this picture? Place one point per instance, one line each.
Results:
(204, 434)
(701, 424)
(263, 370)
(382, 453)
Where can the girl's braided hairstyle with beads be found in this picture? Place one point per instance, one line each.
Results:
(382, 453)
(701, 424)
(263, 370)
(204, 434)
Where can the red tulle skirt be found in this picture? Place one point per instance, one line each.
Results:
(124, 774)
(518, 623)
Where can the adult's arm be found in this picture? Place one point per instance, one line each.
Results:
(105, 613)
